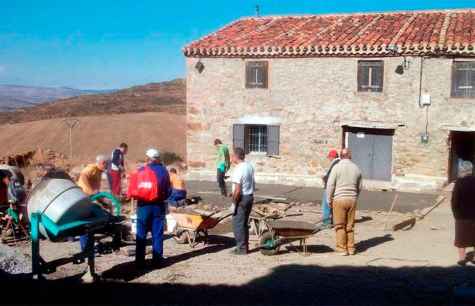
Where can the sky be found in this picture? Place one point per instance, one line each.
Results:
(111, 44)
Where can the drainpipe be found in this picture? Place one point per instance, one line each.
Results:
(425, 136)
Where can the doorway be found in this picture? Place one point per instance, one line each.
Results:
(462, 147)
(372, 151)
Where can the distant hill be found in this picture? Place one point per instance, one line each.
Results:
(154, 97)
(99, 135)
(17, 96)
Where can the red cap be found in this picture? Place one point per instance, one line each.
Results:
(332, 154)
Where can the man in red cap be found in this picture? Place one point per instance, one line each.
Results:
(326, 211)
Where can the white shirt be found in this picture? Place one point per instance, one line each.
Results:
(243, 174)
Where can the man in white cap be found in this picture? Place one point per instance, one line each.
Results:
(151, 213)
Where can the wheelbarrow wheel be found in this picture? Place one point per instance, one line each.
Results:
(180, 237)
(267, 244)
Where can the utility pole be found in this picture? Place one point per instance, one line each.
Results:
(71, 123)
(258, 10)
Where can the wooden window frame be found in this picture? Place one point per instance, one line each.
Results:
(370, 87)
(254, 65)
(453, 90)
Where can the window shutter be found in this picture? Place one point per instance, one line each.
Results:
(264, 73)
(472, 81)
(363, 77)
(238, 136)
(377, 77)
(273, 139)
(454, 80)
(249, 75)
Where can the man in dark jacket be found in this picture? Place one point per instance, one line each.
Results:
(151, 215)
(117, 168)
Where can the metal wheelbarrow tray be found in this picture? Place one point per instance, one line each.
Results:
(280, 232)
(193, 225)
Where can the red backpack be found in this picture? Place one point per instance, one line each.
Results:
(143, 185)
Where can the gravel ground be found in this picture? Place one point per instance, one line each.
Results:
(13, 261)
(412, 267)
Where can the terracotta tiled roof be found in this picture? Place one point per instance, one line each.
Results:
(450, 32)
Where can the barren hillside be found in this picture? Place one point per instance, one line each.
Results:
(154, 97)
(17, 96)
(99, 134)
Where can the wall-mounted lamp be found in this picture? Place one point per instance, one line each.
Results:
(403, 66)
(394, 50)
(399, 69)
(199, 66)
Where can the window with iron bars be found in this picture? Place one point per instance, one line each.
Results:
(256, 138)
(463, 79)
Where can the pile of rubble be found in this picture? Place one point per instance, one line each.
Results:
(18, 159)
(47, 156)
(33, 158)
(12, 261)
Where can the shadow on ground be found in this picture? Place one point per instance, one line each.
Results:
(284, 285)
(128, 272)
(364, 245)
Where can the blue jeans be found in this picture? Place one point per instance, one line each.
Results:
(177, 195)
(150, 218)
(83, 240)
(326, 211)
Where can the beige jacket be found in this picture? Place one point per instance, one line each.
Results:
(345, 181)
(90, 179)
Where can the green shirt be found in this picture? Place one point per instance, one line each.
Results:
(222, 159)
(13, 214)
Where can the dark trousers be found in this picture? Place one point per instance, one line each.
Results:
(150, 218)
(221, 183)
(241, 222)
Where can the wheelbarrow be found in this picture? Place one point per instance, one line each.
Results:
(263, 212)
(280, 232)
(193, 225)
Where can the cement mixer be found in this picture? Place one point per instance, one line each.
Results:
(59, 209)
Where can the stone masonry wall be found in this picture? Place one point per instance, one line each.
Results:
(313, 98)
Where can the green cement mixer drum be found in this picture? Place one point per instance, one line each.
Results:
(61, 201)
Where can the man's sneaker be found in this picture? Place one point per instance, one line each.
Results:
(342, 253)
(88, 277)
(352, 252)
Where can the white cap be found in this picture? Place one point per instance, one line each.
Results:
(153, 153)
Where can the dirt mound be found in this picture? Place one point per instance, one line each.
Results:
(98, 135)
(154, 97)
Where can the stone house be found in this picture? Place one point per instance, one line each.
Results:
(397, 88)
